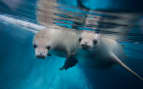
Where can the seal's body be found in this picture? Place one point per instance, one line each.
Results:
(98, 51)
(62, 43)
(99, 54)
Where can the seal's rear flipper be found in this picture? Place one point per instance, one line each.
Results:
(125, 66)
(70, 62)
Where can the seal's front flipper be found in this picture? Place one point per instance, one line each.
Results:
(70, 62)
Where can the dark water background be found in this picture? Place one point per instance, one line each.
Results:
(19, 69)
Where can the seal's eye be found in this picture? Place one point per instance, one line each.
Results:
(48, 47)
(79, 39)
(35, 46)
(95, 41)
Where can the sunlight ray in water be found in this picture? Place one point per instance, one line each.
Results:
(10, 20)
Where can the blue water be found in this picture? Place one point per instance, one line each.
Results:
(20, 69)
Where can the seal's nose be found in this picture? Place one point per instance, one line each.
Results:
(84, 46)
(41, 56)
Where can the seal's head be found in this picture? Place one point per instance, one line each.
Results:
(88, 39)
(41, 44)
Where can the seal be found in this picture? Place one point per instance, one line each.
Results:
(62, 43)
(98, 51)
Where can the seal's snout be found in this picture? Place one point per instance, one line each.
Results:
(84, 46)
(41, 56)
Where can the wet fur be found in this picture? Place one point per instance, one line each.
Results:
(62, 43)
(104, 54)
